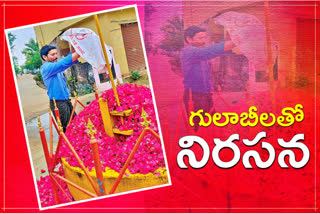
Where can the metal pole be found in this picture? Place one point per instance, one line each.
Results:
(60, 187)
(50, 132)
(74, 185)
(96, 156)
(48, 159)
(106, 58)
(97, 165)
(80, 163)
(270, 67)
(134, 150)
(56, 110)
(44, 143)
(124, 168)
(73, 110)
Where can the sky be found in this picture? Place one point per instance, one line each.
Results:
(22, 37)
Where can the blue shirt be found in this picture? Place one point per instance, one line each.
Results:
(195, 66)
(53, 78)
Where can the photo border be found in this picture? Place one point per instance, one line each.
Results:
(315, 5)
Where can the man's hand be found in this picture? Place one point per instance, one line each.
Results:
(228, 45)
(75, 55)
(226, 35)
(236, 50)
(72, 49)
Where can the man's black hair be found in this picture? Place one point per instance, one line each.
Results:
(191, 31)
(45, 50)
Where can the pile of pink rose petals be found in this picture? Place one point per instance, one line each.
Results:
(46, 193)
(113, 154)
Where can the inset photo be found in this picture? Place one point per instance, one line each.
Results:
(88, 107)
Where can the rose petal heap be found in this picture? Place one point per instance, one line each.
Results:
(113, 154)
(46, 193)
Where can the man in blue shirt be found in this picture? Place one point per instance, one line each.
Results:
(196, 68)
(55, 81)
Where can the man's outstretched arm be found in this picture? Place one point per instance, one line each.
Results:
(75, 55)
(52, 68)
(212, 51)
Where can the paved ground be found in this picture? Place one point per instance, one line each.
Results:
(34, 99)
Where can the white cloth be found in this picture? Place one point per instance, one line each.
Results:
(249, 35)
(87, 44)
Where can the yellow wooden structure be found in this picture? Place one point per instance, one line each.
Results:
(110, 118)
(130, 182)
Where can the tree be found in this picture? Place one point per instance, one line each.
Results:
(16, 67)
(173, 42)
(33, 59)
(148, 11)
(31, 51)
(12, 38)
